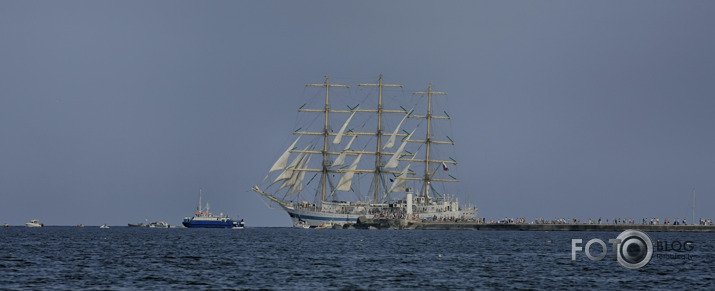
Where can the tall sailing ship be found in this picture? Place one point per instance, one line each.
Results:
(384, 160)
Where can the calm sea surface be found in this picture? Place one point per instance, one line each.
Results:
(123, 258)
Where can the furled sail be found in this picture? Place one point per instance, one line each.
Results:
(347, 179)
(339, 137)
(283, 160)
(393, 162)
(340, 160)
(391, 142)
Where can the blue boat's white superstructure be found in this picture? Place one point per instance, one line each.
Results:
(331, 191)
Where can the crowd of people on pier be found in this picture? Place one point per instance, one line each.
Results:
(434, 218)
(653, 221)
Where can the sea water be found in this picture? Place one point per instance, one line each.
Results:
(124, 258)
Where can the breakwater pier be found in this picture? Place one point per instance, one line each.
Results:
(471, 225)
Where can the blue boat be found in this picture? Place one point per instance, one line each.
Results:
(204, 219)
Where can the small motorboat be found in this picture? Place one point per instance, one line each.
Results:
(240, 225)
(34, 223)
(104, 226)
(301, 224)
(159, 224)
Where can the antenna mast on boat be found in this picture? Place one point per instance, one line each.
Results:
(199, 208)
(380, 111)
(324, 171)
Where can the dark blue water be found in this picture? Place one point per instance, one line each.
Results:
(123, 258)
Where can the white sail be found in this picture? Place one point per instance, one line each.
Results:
(298, 185)
(289, 169)
(283, 160)
(393, 162)
(340, 160)
(391, 142)
(294, 174)
(287, 183)
(400, 181)
(347, 179)
(339, 137)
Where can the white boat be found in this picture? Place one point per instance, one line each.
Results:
(240, 224)
(159, 224)
(301, 224)
(319, 185)
(34, 223)
(104, 226)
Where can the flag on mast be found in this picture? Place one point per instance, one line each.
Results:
(444, 167)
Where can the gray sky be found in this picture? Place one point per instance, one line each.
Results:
(116, 112)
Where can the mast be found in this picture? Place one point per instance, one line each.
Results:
(428, 138)
(378, 151)
(324, 171)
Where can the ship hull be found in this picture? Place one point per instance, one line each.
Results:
(340, 213)
(316, 218)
